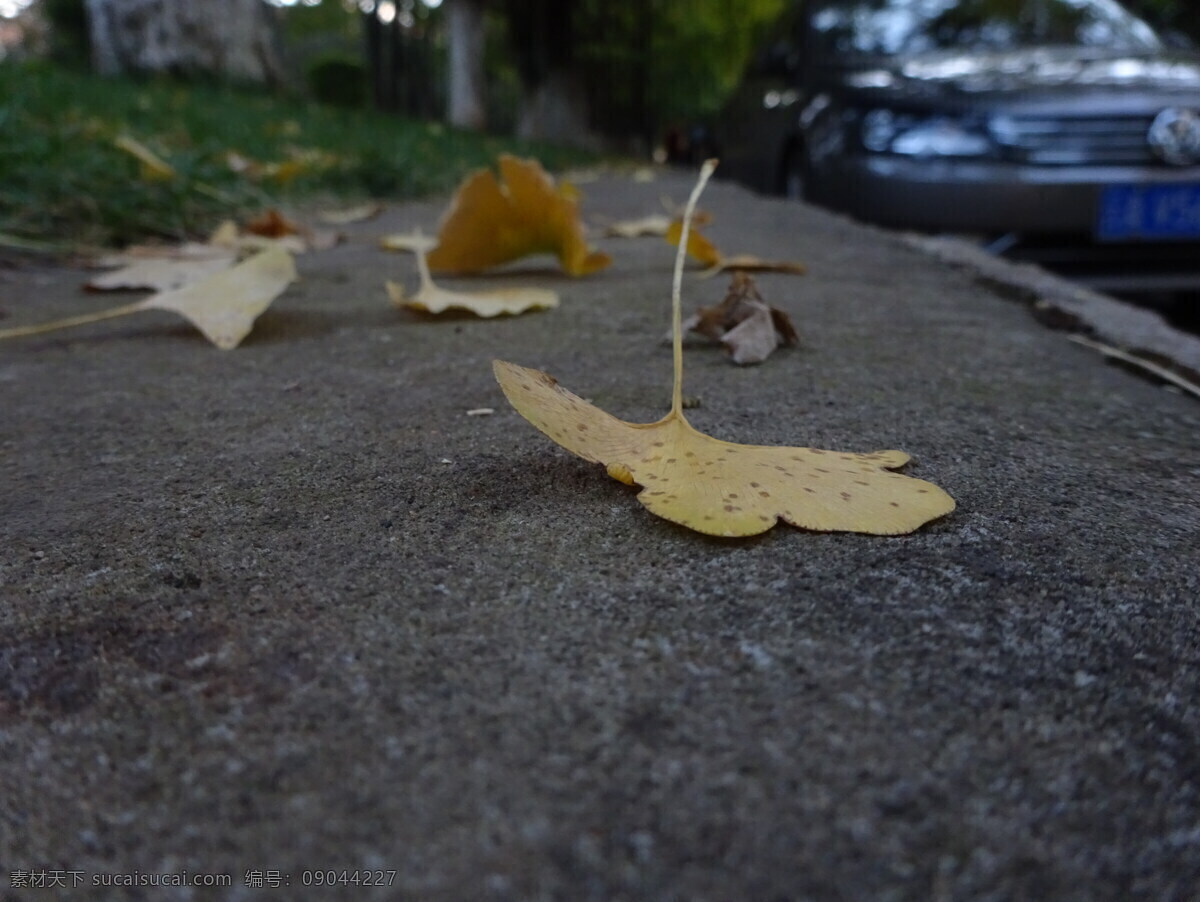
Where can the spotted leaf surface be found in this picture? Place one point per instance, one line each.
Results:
(722, 488)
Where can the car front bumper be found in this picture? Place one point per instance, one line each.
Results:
(977, 196)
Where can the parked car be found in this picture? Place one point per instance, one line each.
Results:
(1067, 125)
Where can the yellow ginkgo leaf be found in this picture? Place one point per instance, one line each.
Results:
(491, 222)
(701, 249)
(153, 168)
(223, 306)
(721, 488)
(167, 269)
(431, 298)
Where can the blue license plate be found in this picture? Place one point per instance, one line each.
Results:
(1149, 213)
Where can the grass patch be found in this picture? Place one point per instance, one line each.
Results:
(62, 179)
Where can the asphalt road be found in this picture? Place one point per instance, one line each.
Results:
(287, 610)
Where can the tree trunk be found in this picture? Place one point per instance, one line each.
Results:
(464, 26)
(556, 109)
(234, 39)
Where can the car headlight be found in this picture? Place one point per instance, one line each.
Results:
(906, 134)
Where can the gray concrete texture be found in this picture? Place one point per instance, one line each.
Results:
(288, 608)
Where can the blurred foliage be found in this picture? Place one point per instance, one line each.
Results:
(69, 42)
(677, 59)
(646, 64)
(338, 79)
(64, 179)
(329, 19)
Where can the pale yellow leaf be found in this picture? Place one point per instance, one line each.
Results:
(655, 224)
(408, 242)
(225, 306)
(432, 298)
(225, 234)
(170, 269)
(361, 213)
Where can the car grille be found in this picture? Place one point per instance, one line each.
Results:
(1075, 141)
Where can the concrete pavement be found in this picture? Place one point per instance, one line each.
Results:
(287, 610)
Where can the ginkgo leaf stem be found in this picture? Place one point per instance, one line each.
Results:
(677, 288)
(70, 321)
(423, 265)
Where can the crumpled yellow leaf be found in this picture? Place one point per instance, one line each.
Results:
(701, 249)
(431, 298)
(153, 168)
(162, 269)
(491, 222)
(718, 487)
(223, 306)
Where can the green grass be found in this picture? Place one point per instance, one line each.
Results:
(62, 179)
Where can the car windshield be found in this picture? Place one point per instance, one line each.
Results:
(891, 27)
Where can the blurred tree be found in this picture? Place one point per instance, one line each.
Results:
(68, 31)
(544, 40)
(465, 43)
(234, 39)
(627, 69)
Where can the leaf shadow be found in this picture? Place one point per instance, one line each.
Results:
(558, 479)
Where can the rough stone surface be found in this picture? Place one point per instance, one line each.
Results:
(289, 608)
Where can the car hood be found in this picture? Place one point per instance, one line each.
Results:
(1060, 70)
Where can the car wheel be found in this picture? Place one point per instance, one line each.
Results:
(795, 174)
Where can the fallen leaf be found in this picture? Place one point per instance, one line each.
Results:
(272, 224)
(698, 247)
(162, 269)
(675, 211)
(491, 222)
(241, 165)
(748, 327)
(153, 168)
(408, 242)
(361, 213)
(225, 234)
(655, 224)
(244, 244)
(271, 229)
(701, 249)
(717, 487)
(223, 306)
(431, 298)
